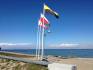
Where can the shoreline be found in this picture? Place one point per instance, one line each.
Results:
(63, 57)
(84, 53)
(16, 53)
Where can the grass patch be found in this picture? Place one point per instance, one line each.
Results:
(36, 67)
(19, 66)
(15, 55)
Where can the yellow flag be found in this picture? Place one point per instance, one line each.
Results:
(49, 10)
(46, 7)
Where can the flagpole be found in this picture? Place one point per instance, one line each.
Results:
(38, 42)
(39, 45)
(42, 47)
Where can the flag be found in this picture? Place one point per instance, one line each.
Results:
(49, 10)
(43, 22)
(43, 19)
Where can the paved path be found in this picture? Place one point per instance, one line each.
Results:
(26, 60)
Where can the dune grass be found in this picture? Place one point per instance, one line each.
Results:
(15, 55)
(7, 64)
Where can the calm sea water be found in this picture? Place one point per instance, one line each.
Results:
(59, 52)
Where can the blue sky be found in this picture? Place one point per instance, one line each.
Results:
(19, 19)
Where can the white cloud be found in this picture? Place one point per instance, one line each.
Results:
(52, 46)
(65, 45)
(72, 46)
(68, 45)
(16, 45)
(11, 44)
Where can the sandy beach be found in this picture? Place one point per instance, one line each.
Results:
(81, 63)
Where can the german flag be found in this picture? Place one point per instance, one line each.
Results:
(49, 10)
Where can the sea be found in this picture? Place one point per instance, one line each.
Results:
(84, 53)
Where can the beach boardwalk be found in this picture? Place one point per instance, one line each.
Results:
(58, 66)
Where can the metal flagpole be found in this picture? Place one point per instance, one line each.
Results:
(39, 43)
(42, 44)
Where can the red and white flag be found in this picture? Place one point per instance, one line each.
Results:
(43, 22)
